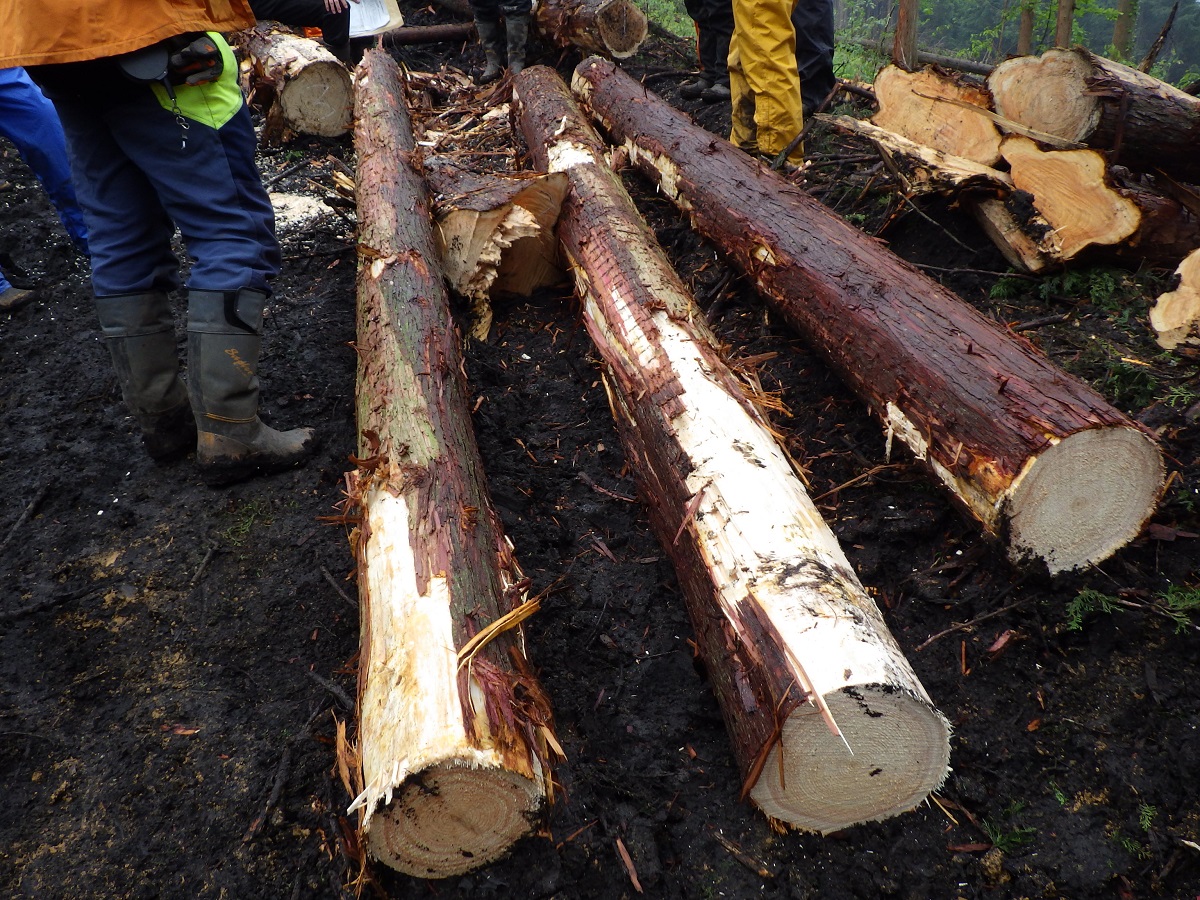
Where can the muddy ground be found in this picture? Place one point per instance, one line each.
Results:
(173, 657)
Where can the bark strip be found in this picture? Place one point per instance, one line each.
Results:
(791, 641)
(1031, 452)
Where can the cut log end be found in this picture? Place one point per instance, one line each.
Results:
(1084, 498)
(319, 100)
(1175, 315)
(452, 818)
(1048, 93)
(901, 753)
(622, 26)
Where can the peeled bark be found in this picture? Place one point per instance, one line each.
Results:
(1033, 453)
(305, 85)
(452, 741)
(613, 28)
(784, 626)
(933, 108)
(1175, 315)
(1139, 121)
(1087, 207)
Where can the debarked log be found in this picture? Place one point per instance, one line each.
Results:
(791, 640)
(1033, 453)
(454, 732)
(305, 85)
(1138, 120)
(613, 28)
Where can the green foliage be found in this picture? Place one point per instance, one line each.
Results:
(1010, 839)
(1179, 395)
(1146, 814)
(670, 14)
(1178, 604)
(244, 520)
(1060, 797)
(1087, 602)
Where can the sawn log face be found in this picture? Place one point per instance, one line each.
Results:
(979, 405)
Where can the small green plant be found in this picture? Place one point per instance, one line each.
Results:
(1178, 604)
(1146, 814)
(244, 520)
(1178, 395)
(1086, 602)
(1131, 845)
(1008, 840)
(1060, 797)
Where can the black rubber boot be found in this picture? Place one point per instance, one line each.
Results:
(224, 343)
(139, 330)
(517, 30)
(694, 87)
(491, 36)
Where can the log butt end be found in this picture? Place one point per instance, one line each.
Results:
(1175, 315)
(452, 818)
(901, 753)
(1085, 498)
(319, 99)
(622, 27)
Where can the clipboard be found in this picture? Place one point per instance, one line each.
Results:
(368, 17)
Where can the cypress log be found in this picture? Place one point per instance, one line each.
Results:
(613, 28)
(453, 732)
(939, 110)
(297, 80)
(784, 626)
(1033, 453)
(1139, 121)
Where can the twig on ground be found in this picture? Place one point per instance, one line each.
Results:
(920, 212)
(963, 626)
(1044, 320)
(29, 511)
(276, 791)
(212, 549)
(279, 176)
(337, 587)
(338, 694)
(957, 271)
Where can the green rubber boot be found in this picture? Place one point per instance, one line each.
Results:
(491, 36)
(517, 33)
(139, 330)
(224, 343)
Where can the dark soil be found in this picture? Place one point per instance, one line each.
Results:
(173, 657)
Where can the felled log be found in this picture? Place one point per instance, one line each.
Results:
(791, 641)
(939, 110)
(923, 170)
(407, 35)
(496, 232)
(453, 730)
(928, 57)
(1175, 315)
(613, 28)
(1139, 121)
(1033, 453)
(297, 80)
(1087, 207)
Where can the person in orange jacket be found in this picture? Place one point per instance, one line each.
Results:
(159, 137)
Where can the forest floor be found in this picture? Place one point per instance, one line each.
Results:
(173, 657)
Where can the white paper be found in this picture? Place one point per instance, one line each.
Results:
(369, 17)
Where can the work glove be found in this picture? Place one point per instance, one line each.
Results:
(194, 59)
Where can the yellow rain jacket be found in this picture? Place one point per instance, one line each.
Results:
(56, 31)
(767, 110)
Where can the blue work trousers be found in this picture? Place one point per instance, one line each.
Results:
(28, 119)
(140, 171)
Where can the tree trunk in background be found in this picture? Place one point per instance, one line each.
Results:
(613, 28)
(780, 617)
(1033, 453)
(1123, 28)
(904, 50)
(1025, 29)
(1065, 24)
(307, 86)
(1139, 121)
(453, 743)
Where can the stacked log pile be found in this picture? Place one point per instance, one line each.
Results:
(1084, 159)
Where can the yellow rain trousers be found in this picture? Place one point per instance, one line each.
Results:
(767, 111)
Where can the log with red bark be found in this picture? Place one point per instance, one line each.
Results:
(1136, 119)
(1033, 453)
(790, 639)
(301, 85)
(613, 28)
(454, 732)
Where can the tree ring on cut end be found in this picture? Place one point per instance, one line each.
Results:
(901, 753)
(452, 818)
(1084, 498)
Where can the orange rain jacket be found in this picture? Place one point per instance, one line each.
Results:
(56, 31)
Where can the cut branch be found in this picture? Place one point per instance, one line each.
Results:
(454, 757)
(1033, 453)
(782, 620)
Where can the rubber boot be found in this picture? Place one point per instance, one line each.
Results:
(517, 30)
(224, 344)
(492, 38)
(140, 332)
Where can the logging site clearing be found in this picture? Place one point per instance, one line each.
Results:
(847, 546)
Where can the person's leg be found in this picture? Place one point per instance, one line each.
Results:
(714, 47)
(29, 120)
(743, 130)
(813, 21)
(517, 15)
(492, 37)
(768, 60)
